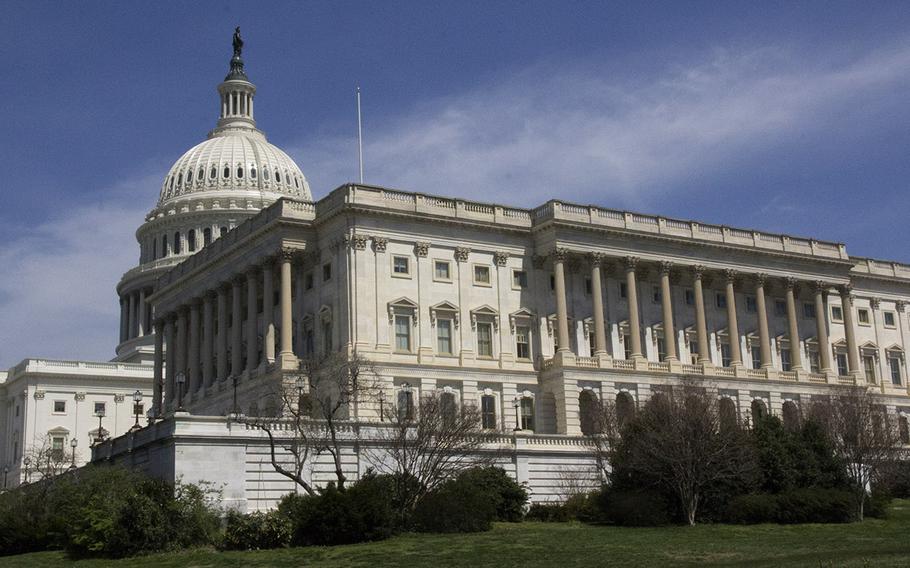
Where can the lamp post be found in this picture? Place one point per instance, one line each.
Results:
(381, 406)
(137, 398)
(234, 409)
(516, 404)
(100, 414)
(181, 380)
(73, 443)
(27, 461)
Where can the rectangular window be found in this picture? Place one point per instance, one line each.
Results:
(327, 336)
(869, 368)
(308, 281)
(527, 413)
(837, 313)
(481, 274)
(661, 349)
(862, 315)
(785, 360)
(889, 319)
(623, 290)
(780, 308)
(100, 408)
(690, 297)
(57, 448)
(401, 266)
(895, 364)
(588, 286)
(402, 333)
(59, 406)
(405, 405)
(814, 365)
(655, 294)
(627, 345)
(485, 339)
(326, 272)
(842, 368)
(309, 341)
(442, 270)
(519, 279)
(488, 411)
(751, 304)
(809, 310)
(523, 342)
(444, 336)
(720, 300)
(756, 355)
(726, 359)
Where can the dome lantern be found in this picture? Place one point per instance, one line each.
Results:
(236, 93)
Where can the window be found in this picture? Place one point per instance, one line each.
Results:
(552, 282)
(442, 270)
(690, 297)
(226, 173)
(309, 342)
(814, 362)
(842, 368)
(405, 404)
(837, 313)
(523, 342)
(693, 350)
(587, 413)
(326, 272)
(751, 304)
(862, 315)
(308, 281)
(189, 176)
(588, 286)
(327, 336)
(253, 172)
(519, 279)
(627, 345)
(57, 448)
(485, 339)
(239, 172)
(756, 355)
(903, 429)
(206, 237)
(869, 367)
(623, 290)
(213, 173)
(177, 243)
(655, 294)
(785, 359)
(163, 246)
(661, 349)
(720, 300)
(222, 231)
(191, 240)
(889, 319)
(59, 406)
(100, 408)
(809, 310)
(444, 336)
(401, 266)
(780, 308)
(894, 363)
(403, 333)
(481, 274)
(488, 411)
(527, 413)
(448, 408)
(726, 358)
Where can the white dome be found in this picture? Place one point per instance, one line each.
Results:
(235, 163)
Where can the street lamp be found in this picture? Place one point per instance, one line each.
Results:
(181, 380)
(137, 410)
(516, 404)
(100, 414)
(27, 461)
(381, 405)
(73, 443)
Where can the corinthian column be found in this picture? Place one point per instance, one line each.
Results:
(132, 318)
(701, 325)
(793, 326)
(268, 310)
(821, 327)
(208, 337)
(158, 369)
(846, 298)
(562, 317)
(736, 357)
(170, 367)
(252, 317)
(764, 337)
(600, 332)
(236, 331)
(288, 359)
(632, 297)
(222, 338)
(667, 308)
(193, 358)
(181, 341)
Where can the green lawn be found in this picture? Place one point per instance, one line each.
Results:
(871, 543)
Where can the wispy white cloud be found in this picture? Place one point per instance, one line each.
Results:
(586, 133)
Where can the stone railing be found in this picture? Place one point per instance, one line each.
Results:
(96, 369)
(884, 268)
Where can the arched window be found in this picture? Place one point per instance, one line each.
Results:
(201, 176)
(296, 182)
(191, 240)
(265, 173)
(447, 407)
(277, 176)
(759, 410)
(206, 237)
(214, 173)
(177, 242)
(239, 172)
(488, 411)
(903, 429)
(625, 408)
(163, 246)
(405, 404)
(587, 411)
(226, 173)
(527, 413)
(726, 410)
(179, 179)
(222, 231)
(189, 176)
(791, 416)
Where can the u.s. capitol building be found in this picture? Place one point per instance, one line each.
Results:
(523, 312)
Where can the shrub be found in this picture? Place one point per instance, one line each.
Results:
(547, 513)
(810, 505)
(752, 509)
(876, 505)
(631, 507)
(256, 531)
(509, 496)
(455, 506)
(360, 513)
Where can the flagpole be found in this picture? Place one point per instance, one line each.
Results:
(359, 136)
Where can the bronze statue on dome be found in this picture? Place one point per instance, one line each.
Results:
(237, 42)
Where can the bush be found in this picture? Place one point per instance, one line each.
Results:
(631, 507)
(510, 497)
(548, 513)
(813, 505)
(256, 531)
(455, 506)
(876, 505)
(363, 512)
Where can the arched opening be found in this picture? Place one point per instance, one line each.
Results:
(163, 246)
(239, 172)
(191, 240)
(791, 416)
(213, 173)
(527, 413)
(726, 410)
(206, 237)
(253, 172)
(177, 242)
(759, 410)
(448, 407)
(222, 231)
(587, 413)
(189, 176)
(405, 404)
(277, 176)
(625, 408)
(154, 249)
(903, 429)
(226, 173)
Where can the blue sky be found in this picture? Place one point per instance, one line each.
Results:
(778, 116)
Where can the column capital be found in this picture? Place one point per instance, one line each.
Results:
(237, 280)
(194, 303)
(421, 249)
(380, 243)
(698, 271)
(560, 254)
(900, 305)
(875, 303)
(287, 254)
(665, 267)
(730, 275)
(252, 272)
(210, 295)
(267, 262)
(822, 286)
(596, 258)
(845, 290)
(630, 262)
(462, 253)
(791, 282)
(501, 257)
(356, 241)
(760, 279)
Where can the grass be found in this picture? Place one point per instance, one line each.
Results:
(870, 543)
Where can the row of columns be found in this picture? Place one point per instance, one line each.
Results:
(560, 257)
(200, 350)
(135, 315)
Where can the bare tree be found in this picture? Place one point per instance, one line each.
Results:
(862, 434)
(677, 441)
(601, 426)
(312, 415)
(427, 442)
(45, 461)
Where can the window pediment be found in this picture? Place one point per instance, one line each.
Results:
(325, 313)
(485, 312)
(58, 431)
(403, 305)
(520, 315)
(445, 309)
